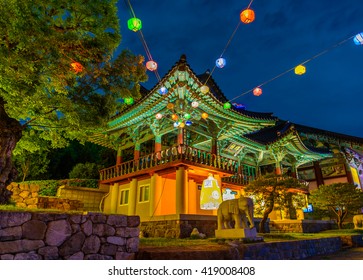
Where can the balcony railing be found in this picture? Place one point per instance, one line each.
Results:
(173, 154)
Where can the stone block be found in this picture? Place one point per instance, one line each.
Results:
(76, 256)
(108, 249)
(91, 245)
(97, 218)
(236, 233)
(132, 245)
(34, 229)
(57, 232)
(7, 257)
(24, 194)
(87, 228)
(11, 233)
(34, 188)
(116, 240)
(117, 220)
(49, 252)
(11, 219)
(133, 221)
(103, 230)
(72, 245)
(27, 256)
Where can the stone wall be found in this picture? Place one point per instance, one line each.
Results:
(91, 198)
(307, 226)
(49, 236)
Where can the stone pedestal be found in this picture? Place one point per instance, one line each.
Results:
(236, 233)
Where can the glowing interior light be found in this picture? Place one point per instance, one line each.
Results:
(174, 117)
(158, 116)
(187, 116)
(77, 67)
(170, 106)
(181, 125)
(188, 123)
(176, 124)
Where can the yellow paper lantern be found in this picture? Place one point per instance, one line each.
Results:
(204, 89)
(300, 70)
(170, 106)
(205, 115)
(174, 117)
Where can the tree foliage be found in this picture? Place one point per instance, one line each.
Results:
(275, 192)
(85, 171)
(39, 41)
(339, 198)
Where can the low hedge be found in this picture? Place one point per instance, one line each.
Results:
(50, 187)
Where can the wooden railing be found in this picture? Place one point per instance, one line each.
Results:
(238, 179)
(170, 155)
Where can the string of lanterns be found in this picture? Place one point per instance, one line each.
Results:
(247, 16)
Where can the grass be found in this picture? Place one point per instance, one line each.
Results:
(13, 208)
(268, 237)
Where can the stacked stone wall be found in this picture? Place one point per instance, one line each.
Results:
(307, 226)
(51, 236)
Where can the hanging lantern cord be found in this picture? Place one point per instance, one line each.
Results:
(142, 39)
(291, 69)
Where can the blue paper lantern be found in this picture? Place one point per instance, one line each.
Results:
(163, 90)
(220, 62)
(358, 39)
(188, 123)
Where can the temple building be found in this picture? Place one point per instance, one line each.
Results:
(183, 131)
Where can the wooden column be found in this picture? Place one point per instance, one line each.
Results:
(214, 148)
(179, 191)
(318, 174)
(137, 151)
(180, 136)
(114, 198)
(132, 198)
(278, 170)
(119, 156)
(157, 143)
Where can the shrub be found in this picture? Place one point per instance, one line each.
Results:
(85, 171)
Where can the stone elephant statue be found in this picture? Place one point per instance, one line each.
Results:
(238, 210)
(358, 221)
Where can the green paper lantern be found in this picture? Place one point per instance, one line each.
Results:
(227, 105)
(134, 24)
(187, 116)
(129, 100)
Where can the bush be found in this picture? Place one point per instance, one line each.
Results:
(47, 187)
(85, 171)
(85, 183)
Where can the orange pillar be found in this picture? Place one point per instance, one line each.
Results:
(278, 170)
(137, 151)
(119, 156)
(157, 143)
(180, 136)
(214, 149)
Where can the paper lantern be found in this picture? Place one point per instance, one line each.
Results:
(195, 104)
(239, 106)
(163, 90)
(205, 115)
(257, 91)
(176, 124)
(247, 16)
(181, 125)
(220, 62)
(129, 100)
(158, 116)
(188, 123)
(358, 39)
(300, 70)
(170, 106)
(134, 24)
(77, 67)
(174, 117)
(227, 105)
(151, 65)
(204, 89)
(187, 116)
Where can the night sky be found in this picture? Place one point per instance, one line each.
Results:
(284, 34)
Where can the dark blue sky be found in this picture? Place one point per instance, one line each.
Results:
(284, 34)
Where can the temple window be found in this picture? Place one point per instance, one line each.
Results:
(124, 197)
(144, 193)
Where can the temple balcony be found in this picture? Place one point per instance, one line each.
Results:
(166, 161)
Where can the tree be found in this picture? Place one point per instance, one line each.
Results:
(85, 171)
(339, 198)
(57, 73)
(272, 191)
